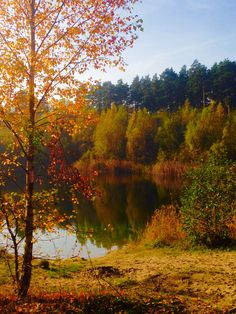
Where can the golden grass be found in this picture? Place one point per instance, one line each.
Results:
(165, 227)
(232, 228)
(112, 166)
(169, 168)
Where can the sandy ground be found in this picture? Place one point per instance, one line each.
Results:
(205, 281)
(204, 278)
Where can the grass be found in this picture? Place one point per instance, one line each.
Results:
(203, 278)
(62, 269)
(164, 228)
(169, 169)
(123, 282)
(113, 166)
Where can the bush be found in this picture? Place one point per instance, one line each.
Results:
(208, 202)
(44, 264)
(164, 228)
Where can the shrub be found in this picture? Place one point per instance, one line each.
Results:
(164, 228)
(44, 264)
(208, 202)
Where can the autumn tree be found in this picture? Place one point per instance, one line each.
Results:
(206, 129)
(228, 141)
(140, 135)
(109, 136)
(45, 47)
(171, 131)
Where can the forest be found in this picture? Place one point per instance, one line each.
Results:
(182, 117)
(169, 90)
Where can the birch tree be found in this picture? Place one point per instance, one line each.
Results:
(45, 48)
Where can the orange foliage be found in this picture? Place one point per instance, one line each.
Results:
(165, 227)
(55, 44)
(45, 48)
(169, 169)
(232, 228)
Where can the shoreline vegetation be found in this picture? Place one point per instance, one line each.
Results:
(171, 169)
(162, 272)
(111, 167)
(122, 140)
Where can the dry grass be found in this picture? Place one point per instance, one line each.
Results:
(112, 166)
(169, 168)
(232, 228)
(165, 227)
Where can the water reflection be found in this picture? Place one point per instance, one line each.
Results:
(62, 244)
(117, 216)
(122, 210)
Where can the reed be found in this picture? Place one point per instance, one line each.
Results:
(164, 228)
(169, 169)
(113, 166)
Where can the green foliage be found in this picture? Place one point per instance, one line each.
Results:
(109, 138)
(206, 129)
(229, 136)
(171, 132)
(169, 90)
(141, 137)
(223, 84)
(107, 93)
(197, 83)
(209, 202)
(170, 135)
(122, 134)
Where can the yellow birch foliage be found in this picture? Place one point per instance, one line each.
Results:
(56, 43)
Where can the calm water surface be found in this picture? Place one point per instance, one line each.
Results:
(120, 214)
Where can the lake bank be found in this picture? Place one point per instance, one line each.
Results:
(204, 277)
(204, 281)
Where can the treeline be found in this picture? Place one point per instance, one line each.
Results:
(169, 90)
(189, 134)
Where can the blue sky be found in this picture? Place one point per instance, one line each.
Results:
(176, 32)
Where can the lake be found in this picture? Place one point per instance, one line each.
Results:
(117, 216)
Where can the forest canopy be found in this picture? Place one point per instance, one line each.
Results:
(169, 90)
(183, 116)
